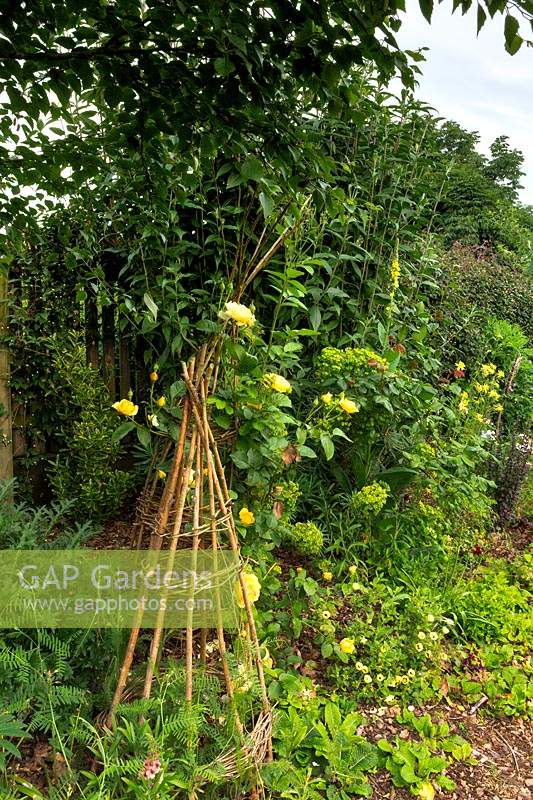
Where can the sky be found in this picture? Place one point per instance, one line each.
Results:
(473, 80)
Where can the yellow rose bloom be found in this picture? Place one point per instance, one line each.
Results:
(154, 376)
(348, 406)
(246, 516)
(161, 474)
(328, 576)
(162, 401)
(278, 383)
(238, 313)
(347, 646)
(126, 408)
(253, 589)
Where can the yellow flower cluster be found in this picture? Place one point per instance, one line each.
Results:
(395, 273)
(488, 369)
(344, 403)
(463, 403)
(371, 498)
(333, 361)
(252, 586)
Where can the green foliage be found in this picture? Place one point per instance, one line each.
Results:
(9, 728)
(25, 528)
(369, 500)
(306, 538)
(85, 471)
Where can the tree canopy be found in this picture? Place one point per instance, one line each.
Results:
(83, 80)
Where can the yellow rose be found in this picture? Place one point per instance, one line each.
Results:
(126, 408)
(278, 383)
(246, 516)
(162, 401)
(426, 791)
(253, 589)
(348, 406)
(328, 576)
(347, 646)
(154, 376)
(161, 474)
(238, 313)
(327, 398)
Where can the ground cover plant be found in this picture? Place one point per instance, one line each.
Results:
(231, 176)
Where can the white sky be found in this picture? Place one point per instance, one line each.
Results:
(473, 80)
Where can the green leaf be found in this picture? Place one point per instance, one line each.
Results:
(152, 307)
(315, 317)
(408, 774)
(382, 334)
(144, 437)
(267, 203)
(326, 649)
(513, 41)
(252, 169)
(426, 7)
(223, 67)
(327, 446)
(481, 17)
(122, 431)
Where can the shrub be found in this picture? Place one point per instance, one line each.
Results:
(85, 470)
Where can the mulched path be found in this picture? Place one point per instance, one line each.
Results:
(503, 749)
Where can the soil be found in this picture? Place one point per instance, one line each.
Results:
(502, 748)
